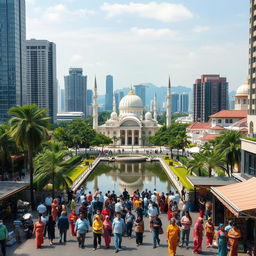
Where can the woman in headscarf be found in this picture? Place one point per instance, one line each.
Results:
(55, 208)
(97, 228)
(221, 239)
(209, 232)
(172, 237)
(107, 231)
(198, 235)
(233, 238)
(39, 231)
(72, 219)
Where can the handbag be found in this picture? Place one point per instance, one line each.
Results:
(161, 231)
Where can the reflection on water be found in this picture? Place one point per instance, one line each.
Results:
(117, 176)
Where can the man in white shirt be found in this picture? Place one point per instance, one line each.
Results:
(152, 211)
(177, 197)
(172, 197)
(82, 199)
(101, 197)
(48, 204)
(118, 206)
(154, 197)
(41, 208)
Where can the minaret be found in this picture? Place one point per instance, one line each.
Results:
(155, 108)
(169, 105)
(114, 103)
(95, 106)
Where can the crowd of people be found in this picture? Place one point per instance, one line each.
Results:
(111, 215)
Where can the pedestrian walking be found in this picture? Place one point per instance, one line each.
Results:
(186, 222)
(209, 232)
(18, 229)
(198, 235)
(118, 229)
(156, 229)
(72, 220)
(3, 237)
(39, 232)
(107, 231)
(172, 237)
(55, 209)
(81, 228)
(221, 239)
(63, 226)
(139, 230)
(50, 226)
(129, 219)
(234, 235)
(48, 204)
(97, 228)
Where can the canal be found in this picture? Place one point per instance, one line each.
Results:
(119, 175)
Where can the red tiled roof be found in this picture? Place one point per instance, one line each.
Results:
(243, 130)
(217, 127)
(242, 120)
(230, 114)
(208, 137)
(199, 126)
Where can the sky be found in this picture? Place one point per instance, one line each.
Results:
(143, 41)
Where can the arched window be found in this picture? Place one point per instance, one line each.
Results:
(251, 131)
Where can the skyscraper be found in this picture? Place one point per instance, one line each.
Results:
(183, 102)
(210, 96)
(62, 100)
(109, 93)
(140, 90)
(12, 55)
(75, 91)
(41, 75)
(175, 102)
(89, 101)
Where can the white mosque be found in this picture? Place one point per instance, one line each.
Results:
(130, 127)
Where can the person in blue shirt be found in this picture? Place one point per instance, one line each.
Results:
(118, 227)
(63, 226)
(81, 228)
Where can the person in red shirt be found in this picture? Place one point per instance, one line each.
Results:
(89, 197)
(72, 219)
(105, 212)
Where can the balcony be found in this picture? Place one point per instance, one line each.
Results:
(249, 144)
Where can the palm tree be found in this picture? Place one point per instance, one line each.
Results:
(195, 165)
(28, 127)
(50, 167)
(182, 141)
(230, 144)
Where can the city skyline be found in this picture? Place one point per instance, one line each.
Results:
(184, 40)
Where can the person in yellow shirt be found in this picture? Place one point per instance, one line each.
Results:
(209, 232)
(172, 237)
(97, 228)
(137, 203)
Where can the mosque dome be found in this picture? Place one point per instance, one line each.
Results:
(130, 102)
(242, 90)
(148, 116)
(113, 116)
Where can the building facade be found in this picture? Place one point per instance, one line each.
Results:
(109, 93)
(12, 55)
(75, 91)
(210, 95)
(175, 102)
(41, 75)
(183, 102)
(89, 100)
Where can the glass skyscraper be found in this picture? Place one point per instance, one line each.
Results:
(12, 55)
(109, 93)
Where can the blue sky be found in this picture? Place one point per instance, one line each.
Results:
(145, 41)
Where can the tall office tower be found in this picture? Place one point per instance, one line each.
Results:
(210, 96)
(175, 102)
(251, 118)
(75, 91)
(41, 75)
(183, 102)
(12, 55)
(89, 101)
(109, 93)
(62, 100)
(140, 90)
(169, 104)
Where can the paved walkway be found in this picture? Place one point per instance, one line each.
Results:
(129, 246)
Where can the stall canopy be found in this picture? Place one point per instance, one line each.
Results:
(210, 181)
(9, 188)
(239, 198)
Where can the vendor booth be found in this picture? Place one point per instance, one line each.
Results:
(237, 202)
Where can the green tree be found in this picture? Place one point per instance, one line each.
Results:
(103, 117)
(195, 165)
(101, 140)
(51, 167)
(229, 143)
(29, 128)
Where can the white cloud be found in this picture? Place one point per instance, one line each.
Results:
(199, 29)
(153, 33)
(165, 12)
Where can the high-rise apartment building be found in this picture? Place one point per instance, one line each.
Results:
(183, 102)
(140, 90)
(175, 102)
(41, 75)
(109, 93)
(210, 96)
(62, 100)
(75, 91)
(12, 55)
